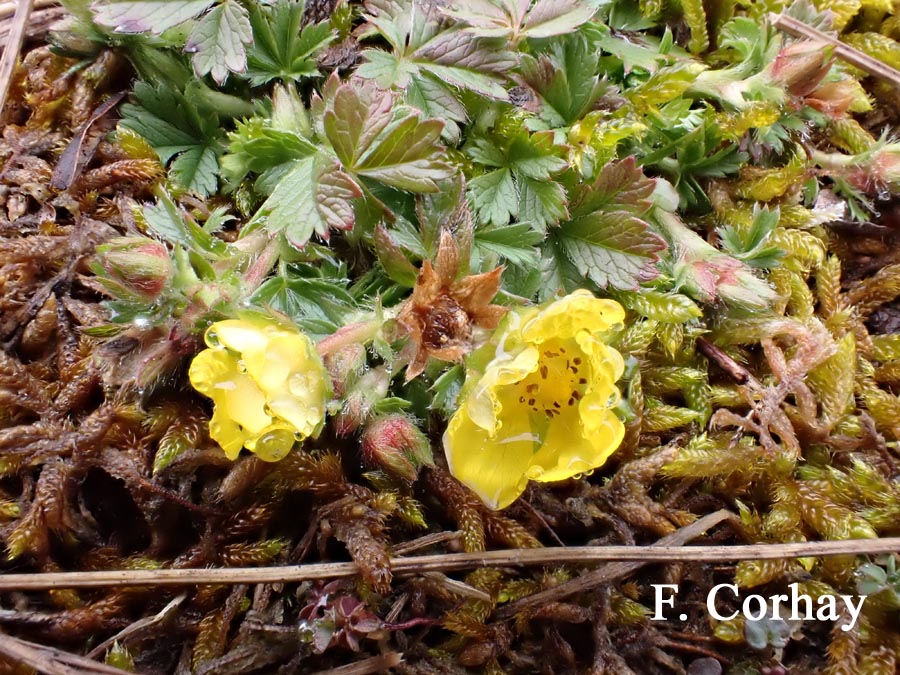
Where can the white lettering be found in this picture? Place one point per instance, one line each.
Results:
(760, 602)
(854, 611)
(828, 610)
(711, 602)
(660, 601)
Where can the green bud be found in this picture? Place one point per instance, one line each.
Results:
(135, 268)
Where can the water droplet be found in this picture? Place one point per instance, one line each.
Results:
(274, 445)
(212, 338)
(141, 321)
(298, 384)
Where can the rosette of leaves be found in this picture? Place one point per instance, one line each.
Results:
(356, 142)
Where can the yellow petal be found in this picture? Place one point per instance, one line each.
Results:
(484, 407)
(227, 433)
(576, 312)
(494, 468)
(570, 449)
(240, 336)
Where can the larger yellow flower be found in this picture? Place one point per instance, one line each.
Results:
(268, 384)
(536, 405)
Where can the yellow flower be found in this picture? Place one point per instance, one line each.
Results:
(536, 405)
(268, 384)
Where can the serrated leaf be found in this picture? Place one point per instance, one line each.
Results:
(256, 147)
(424, 46)
(319, 305)
(312, 197)
(372, 140)
(218, 41)
(140, 16)
(612, 248)
(196, 169)
(565, 78)
(522, 185)
(494, 197)
(173, 125)
(280, 48)
(619, 185)
(514, 243)
(512, 19)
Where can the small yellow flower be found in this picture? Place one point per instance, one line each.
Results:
(536, 405)
(268, 384)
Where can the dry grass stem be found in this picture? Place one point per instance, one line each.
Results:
(376, 664)
(665, 551)
(13, 45)
(51, 661)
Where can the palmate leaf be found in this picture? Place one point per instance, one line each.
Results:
(173, 125)
(513, 20)
(612, 248)
(373, 141)
(280, 49)
(521, 184)
(566, 79)
(140, 16)
(376, 146)
(218, 41)
(430, 58)
(312, 197)
(605, 239)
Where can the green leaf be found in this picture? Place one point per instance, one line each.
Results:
(513, 20)
(612, 248)
(374, 140)
(426, 47)
(280, 49)
(494, 197)
(196, 169)
(391, 256)
(257, 147)
(522, 185)
(619, 185)
(312, 197)
(566, 78)
(514, 243)
(140, 16)
(320, 306)
(218, 41)
(173, 125)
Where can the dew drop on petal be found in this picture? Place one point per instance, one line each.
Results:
(298, 384)
(274, 445)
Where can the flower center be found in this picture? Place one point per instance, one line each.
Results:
(560, 380)
(445, 323)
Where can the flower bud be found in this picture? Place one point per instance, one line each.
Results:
(136, 268)
(360, 400)
(800, 66)
(344, 366)
(395, 444)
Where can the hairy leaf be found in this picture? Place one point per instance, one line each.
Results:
(280, 49)
(429, 53)
(312, 197)
(373, 140)
(218, 41)
(513, 20)
(612, 248)
(140, 16)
